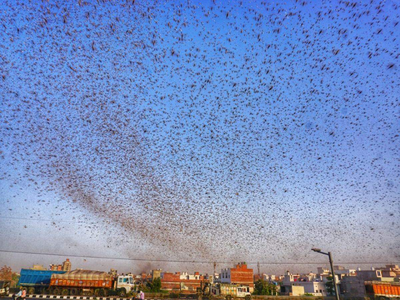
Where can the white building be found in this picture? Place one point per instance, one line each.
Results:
(269, 278)
(316, 288)
(187, 276)
(225, 276)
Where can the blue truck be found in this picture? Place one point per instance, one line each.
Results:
(36, 281)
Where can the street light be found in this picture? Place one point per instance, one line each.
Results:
(333, 273)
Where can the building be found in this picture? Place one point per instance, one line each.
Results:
(65, 266)
(186, 276)
(352, 287)
(270, 278)
(239, 275)
(171, 281)
(322, 271)
(257, 277)
(38, 267)
(369, 275)
(296, 290)
(210, 278)
(156, 274)
(54, 267)
(182, 282)
(290, 284)
(342, 272)
(390, 271)
(309, 277)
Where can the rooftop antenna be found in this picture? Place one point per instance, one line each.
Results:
(215, 265)
(258, 267)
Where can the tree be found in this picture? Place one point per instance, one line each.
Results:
(263, 287)
(6, 273)
(15, 279)
(329, 285)
(155, 285)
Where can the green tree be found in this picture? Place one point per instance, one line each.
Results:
(155, 285)
(329, 285)
(14, 280)
(263, 287)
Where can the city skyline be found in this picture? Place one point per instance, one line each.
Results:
(200, 131)
(257, 267)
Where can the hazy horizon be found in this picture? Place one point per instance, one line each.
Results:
(200, 131)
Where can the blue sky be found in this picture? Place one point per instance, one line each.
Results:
(221, 131)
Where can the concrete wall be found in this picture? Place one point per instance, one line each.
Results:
(298, 290)
(369, 274)
(352, 287)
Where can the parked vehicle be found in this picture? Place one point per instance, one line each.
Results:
(383, 290)
(36, 281)
(5, 287)
(231, 290)
(77, 282)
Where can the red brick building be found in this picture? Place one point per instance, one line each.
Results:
(171, 281)
(182, 283)
(240, 275)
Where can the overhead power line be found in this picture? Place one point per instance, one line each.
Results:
(43, 220)
(191, 261)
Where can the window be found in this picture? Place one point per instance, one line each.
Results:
(120, 280)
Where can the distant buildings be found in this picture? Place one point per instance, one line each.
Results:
(240, 275)
(38, 267)
(239, 280)
(369, 275)
(66, 266)
(156, 274)
(341, 272)
(182, 282)
(390, 271)
(295, 285)
(352, 286)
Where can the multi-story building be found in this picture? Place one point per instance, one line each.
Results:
(309, 277)
(54, 267)
(186, 276)
(240, 275)
(323, 271)
(390, 271)
(352, 286)
(369, 274)
(182, 282)
(65, 266)
(171, 281)
(291, 284)
(156, 274)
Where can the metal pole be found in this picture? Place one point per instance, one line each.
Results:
(333, 275)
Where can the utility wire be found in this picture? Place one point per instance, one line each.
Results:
(192, 261)
(44, 220)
